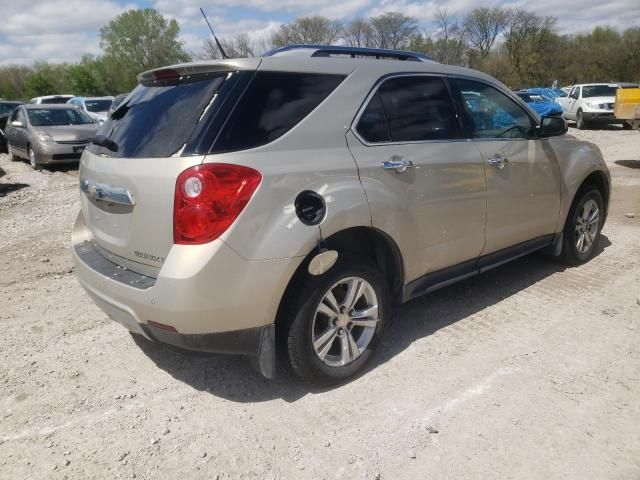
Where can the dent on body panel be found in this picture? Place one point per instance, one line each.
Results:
(270, 228)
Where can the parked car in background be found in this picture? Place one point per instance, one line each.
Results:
(48, 134)
(117, 100)
(543, 106)
(96, 107)
(6, 108)
(51, 99)
(244, 205)
(551, 93)
(591, 104)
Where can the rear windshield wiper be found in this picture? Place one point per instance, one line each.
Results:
(103, 141)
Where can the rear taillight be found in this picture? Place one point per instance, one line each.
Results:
(208, 200)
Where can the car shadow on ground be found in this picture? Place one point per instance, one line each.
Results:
(7, 188)
(234, 379)
(628, 163)
(60, 167)
(604, 126)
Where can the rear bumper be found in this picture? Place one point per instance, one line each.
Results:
(205, 297)
(238, 342)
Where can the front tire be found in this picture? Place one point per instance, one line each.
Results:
(33, 161)
(336, 321)
(581, 124)
(582, 228)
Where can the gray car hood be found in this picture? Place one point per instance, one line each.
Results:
(70, 133)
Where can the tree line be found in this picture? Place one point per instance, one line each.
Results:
(519, 47)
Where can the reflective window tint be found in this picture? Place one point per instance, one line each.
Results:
(418, 108)
(491, 113)
(158, 120)
(372, 125)
(273, 104)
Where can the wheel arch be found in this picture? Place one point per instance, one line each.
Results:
(368, 242)
(599, 180)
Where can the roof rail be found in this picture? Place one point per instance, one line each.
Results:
(353, 52)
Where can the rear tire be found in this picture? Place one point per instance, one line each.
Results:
(329, 337)
(581, 123)
(582, 228)
(627, 126)
(33, 161)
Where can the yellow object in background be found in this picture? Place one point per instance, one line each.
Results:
(627, 105)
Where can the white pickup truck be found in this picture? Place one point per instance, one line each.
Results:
(590, 103)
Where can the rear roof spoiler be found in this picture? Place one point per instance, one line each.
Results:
(197, 68)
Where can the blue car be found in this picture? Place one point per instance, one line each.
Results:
(543, 105)
(552, 93)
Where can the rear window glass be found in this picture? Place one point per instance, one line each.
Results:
(7, 108)
(43, 117)
(55, 100)
(97, 105)
(158, 120)
(273, 104)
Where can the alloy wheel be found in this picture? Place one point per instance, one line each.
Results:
(345, 321)
(587, 226)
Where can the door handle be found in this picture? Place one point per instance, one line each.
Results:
(498, 161)
(397, 163)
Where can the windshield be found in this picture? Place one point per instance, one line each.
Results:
(7, 108)
(599, 91)
(158, 120)
(44, 117)
(98, 105)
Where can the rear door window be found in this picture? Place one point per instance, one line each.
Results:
(157, 120)
(418, 108)
(273, 104)
(372, 125)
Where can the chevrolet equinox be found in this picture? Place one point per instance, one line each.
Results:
(283, 204)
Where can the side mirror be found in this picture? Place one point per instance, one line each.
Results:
(574, 96)
(17, 124)
(553, 127)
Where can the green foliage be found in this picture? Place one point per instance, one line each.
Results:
(12, 80)
(139, 40)
(82, 79)
(516, 46)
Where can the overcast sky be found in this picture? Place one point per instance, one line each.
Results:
(56, 30)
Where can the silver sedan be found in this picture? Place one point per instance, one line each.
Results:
(49, 134)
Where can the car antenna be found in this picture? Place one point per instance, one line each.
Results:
(222, 52)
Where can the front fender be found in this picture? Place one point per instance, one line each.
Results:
(577, 160)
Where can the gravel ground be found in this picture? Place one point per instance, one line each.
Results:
(529, 371)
